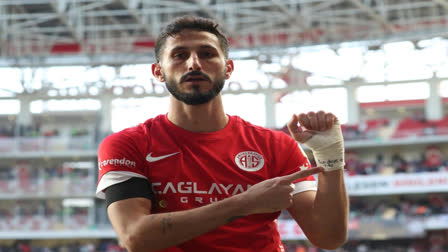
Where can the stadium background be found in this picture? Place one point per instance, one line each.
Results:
(73, 71)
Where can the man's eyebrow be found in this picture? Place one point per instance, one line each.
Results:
(207, 47)
(178, 48)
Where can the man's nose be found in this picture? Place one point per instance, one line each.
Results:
(193, 63)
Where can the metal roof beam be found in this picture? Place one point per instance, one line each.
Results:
(325, 5)
(389, 7)
(112, 19)
(97, 13)
(265, 23)
(73, 11)
(372, 13)
(137, 15)
(298, 19)
(91, 28)
(34, 2)
(206, 8)
(75, 32)
(245, 4)
(22, 38)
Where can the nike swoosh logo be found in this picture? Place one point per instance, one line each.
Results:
(150, 158)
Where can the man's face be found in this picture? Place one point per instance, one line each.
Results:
(194, 67)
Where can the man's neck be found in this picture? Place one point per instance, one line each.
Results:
(209, 117)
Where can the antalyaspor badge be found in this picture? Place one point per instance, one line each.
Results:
(250, 161)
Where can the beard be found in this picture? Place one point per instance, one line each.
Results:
(196, 97)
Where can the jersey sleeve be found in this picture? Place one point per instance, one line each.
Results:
(296, 160)
(119, 159)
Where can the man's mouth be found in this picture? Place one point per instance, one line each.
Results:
(195, 78)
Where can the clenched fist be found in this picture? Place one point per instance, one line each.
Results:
(322, 134)
(312, 122)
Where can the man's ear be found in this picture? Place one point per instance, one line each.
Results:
(229, 68)
(157, 72)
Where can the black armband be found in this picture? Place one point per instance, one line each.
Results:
(131, 188)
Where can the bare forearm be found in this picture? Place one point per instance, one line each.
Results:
(330, 210)
(158, 231)
(140, 230)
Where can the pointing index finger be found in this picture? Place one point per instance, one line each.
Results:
(302, 174)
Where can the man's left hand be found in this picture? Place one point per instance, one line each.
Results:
(312, 123)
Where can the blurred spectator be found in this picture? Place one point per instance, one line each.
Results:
(351, 132)
(64, 246)
(51, 133)
(79, 132)
(399, 163)
(432, 159)
(353, 165)
(6, 131)
(29, 130)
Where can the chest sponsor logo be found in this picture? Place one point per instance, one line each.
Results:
(151, 158)
(192, 192)
(250, 161)
(189, 187)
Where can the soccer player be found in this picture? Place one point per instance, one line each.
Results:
(197, 179)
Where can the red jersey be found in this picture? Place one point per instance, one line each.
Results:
(188, 170)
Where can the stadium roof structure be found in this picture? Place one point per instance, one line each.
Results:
(117, 32)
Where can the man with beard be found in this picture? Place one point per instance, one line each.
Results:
(197, 179)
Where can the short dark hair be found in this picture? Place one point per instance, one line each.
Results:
(194, 23)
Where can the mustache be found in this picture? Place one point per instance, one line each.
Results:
(194, 73)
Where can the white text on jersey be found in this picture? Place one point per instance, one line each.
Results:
(192, 188)
(117, 161)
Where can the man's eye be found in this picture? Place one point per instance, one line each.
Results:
(179, 55)
(206, 54)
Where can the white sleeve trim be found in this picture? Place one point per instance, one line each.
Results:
(112, 178)
(303, 186)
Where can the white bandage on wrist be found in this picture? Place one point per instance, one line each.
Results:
(328, 148)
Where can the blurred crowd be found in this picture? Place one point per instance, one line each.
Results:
(92, 246)
(404, 206)
(433, 242)
(430, 160)
(383, 128)
(66, 179)
(32, 215)
(36, 130)
(373, 247)
(45, 179)
(389, 208)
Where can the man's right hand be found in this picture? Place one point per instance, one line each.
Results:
(274, 194)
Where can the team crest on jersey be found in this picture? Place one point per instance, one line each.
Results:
(250, 161)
